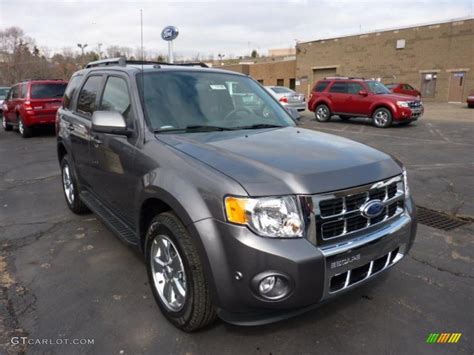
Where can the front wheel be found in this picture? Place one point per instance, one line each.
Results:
(382, 118)
(322, 113)
(6, 126)
(176, 275)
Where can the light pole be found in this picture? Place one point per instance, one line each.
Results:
(82, 47)
(100, 51)
(220, 56)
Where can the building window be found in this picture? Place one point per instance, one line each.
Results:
(280, 82)
(260, 81)
(428, 84)
(292, 83)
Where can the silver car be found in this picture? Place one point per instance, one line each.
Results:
(288, 97)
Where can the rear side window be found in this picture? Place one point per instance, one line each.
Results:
(70, 90)
(321, 86)
(341, 88)
(354, 88)
(47, 91)
(15, 92)
(87, 101)
(23, 88)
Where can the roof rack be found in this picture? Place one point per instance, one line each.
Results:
(343, 78)
(122, 61)
(41, 79)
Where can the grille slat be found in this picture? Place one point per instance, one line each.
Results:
(341, 214)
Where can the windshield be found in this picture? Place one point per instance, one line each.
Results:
(179, 100)
(377, 88)
(47, 91)
(3, 93)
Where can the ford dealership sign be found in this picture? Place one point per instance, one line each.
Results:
(169, 33)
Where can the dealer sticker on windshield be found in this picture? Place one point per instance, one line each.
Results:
(218, 87)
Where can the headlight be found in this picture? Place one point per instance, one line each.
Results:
(405, 184)
(402, 103)
(278, 217)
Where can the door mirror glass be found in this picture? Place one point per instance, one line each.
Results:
(363, 93)
(109, 122)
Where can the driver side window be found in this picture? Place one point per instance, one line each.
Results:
(117, 98)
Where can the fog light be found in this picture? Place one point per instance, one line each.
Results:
(274, 287)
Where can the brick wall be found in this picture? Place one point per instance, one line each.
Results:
(269, 72)
(441, 49)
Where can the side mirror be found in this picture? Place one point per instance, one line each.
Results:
(109, 122)
(363, 93)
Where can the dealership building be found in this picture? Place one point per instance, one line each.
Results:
(438, 59)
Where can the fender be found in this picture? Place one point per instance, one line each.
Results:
(322, 101)
(388, 105)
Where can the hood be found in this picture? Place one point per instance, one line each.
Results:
(399, 97)
(288, 160)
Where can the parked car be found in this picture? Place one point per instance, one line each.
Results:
(288, 97)
(32, 103)
(238, 213)
(3, 94)
(470, 100)
(403, 88)
(353, 97)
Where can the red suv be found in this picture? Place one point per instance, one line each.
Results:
(32, 103)
(353, 97)
(403, 88)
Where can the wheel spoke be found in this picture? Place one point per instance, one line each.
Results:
(178, 289)
(167, 291)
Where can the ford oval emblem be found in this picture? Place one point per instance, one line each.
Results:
(372, 208)
(169, 33)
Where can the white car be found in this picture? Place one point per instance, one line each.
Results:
(288, 97)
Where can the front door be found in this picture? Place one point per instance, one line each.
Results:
(112, 156)
(456, 86)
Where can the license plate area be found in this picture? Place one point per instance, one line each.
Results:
(354, 266)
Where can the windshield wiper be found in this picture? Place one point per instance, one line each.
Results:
(195, 128)
(260, 125)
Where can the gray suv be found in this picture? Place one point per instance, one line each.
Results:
(238, 212)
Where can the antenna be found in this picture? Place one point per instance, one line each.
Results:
(143, 76)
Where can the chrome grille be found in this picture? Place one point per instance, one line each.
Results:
(339, 213)
(414, 104)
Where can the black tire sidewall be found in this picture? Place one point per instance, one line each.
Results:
(316, 113)
(389, 121)
(160, 225)
(27, 131)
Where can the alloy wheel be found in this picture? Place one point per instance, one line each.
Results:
(381, 118)
(168, 273)
(68, 185)
(21, 128)
(322, 113)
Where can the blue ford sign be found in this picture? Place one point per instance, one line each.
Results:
(169, 33)
(372, 208)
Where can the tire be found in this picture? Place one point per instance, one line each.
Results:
(344, 117)
(25, 132)
(382, 118)
(184, 274)
(6, 126)
(470, 105)
(71, 188)
(322, 113)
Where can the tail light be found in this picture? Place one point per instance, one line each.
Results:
(283, 99)
(27, 106)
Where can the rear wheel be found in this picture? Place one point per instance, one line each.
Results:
(6, 126)
(322, 113)
(24, 131)
(71, 188)
(382, 117)
(176, 275)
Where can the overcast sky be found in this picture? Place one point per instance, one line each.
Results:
(211, 27)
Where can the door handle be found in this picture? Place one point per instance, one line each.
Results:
(96, 141)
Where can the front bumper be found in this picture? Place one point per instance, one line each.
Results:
(408, 114)
(234, 250)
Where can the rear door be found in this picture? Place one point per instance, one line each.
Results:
(78, 123)
(338, 95)
(12, 98)
(112, 156)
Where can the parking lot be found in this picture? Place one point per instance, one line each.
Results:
(66, 276)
